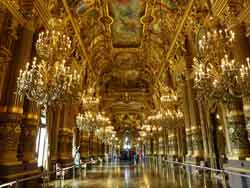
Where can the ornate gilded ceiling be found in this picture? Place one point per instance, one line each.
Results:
(130, 50)
(124, 45)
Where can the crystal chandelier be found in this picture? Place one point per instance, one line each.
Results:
(216, 71)
(53, 45)
(244, 77)
(169, 97)
(163, 115)
(102, 119)
(90, 120)
(88, 98)
(106, 135)
(49, 78)
(85, 121)
(155, 117)
(45, 84)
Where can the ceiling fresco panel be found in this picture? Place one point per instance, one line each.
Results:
(126, 28)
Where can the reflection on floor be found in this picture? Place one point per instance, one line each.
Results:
(138, 176)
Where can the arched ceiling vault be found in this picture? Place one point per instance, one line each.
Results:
(126, 54)
(123, 44)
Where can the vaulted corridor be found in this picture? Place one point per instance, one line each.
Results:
(125, 93)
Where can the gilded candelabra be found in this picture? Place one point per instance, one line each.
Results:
(50, 77)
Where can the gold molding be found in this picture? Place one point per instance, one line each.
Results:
(12, 109)
(67, 130)
(219, 6)
(14, 11)
(178, 32)
(43, 12)
(77, 32)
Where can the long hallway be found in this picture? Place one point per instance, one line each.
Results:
(165, 83)
(128, 175)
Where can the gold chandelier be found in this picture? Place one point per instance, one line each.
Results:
(244, 78)
(106, 134)
(169, 96)
(164, 115)
(49, 78)
(90, 120)
(88, 98)
(216, 71)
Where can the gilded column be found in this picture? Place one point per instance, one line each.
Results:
(246, 108)
(91, 144)
(197, 143)
(237, 130)
(172, 142)
(204, 129)
(95, 145)
(155, 144)
(195, 130)
(10, 106)
(188, 132)
(29, 128)
(65, 142)
(181, 142)
(55, 121)
(84, 148)
(241, 51)
(165, 140)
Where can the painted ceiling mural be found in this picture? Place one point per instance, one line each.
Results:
(126, 28)
(125, 60)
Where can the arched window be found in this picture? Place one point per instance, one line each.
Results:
(42, 142)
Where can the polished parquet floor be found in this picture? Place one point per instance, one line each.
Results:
(126, 175)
